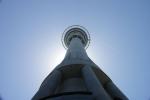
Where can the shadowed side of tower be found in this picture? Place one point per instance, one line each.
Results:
(77, 77)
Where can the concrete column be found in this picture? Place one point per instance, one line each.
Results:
(49, 85)
(93, 84)
(76, 50)
(114, 91)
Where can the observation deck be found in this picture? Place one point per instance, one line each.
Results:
(75, 31)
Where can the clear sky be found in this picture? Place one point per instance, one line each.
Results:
(30, 42)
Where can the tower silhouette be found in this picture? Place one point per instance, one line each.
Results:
(77, 77)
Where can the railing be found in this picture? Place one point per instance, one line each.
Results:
(67, 93)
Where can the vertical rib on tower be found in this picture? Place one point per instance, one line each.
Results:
(77, 77)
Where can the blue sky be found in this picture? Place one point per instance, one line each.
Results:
(30, 42)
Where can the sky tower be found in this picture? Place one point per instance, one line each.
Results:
(77, 77)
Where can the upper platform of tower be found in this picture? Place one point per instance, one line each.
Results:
(76, 31)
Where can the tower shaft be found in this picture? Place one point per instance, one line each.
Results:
(76, 50)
